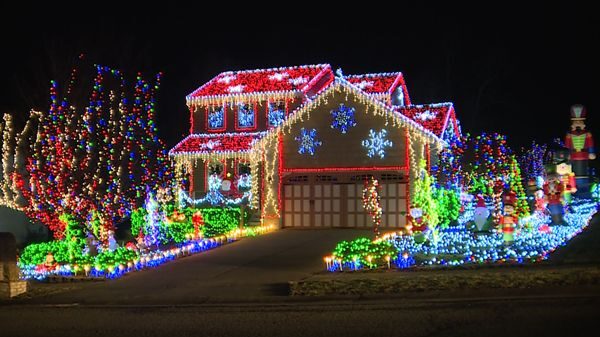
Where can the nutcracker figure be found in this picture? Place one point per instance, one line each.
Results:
(581, 145)
(509, 220)
(567, 177)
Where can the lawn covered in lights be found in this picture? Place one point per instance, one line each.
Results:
(460, 245)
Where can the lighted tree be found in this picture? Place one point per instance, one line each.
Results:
(14, 148)
(531, 161)
(482, 164)
(424, 198)
(95, 162)
(516, 185)
(372, 203)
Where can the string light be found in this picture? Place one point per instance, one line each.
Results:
(97, 160)
(533, 242)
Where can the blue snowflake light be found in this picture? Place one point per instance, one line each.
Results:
(308, 141)
(376, 143)
(343, 118)
(216, 117)
(245, 116)
(276, 113)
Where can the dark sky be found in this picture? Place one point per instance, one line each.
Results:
(508, 69)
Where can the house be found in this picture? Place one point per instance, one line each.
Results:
(309, 138)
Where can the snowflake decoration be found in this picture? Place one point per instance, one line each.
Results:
(298, 80)
(376, 143)
(216, 118)
(276, 113)
(364, 84)
(278, 76)
(227, 79)
(211, 144)
(426, 115)
(236, 88)
(343, 118)
(308, 141)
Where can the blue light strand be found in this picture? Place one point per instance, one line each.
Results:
(534, 242)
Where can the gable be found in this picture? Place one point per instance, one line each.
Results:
(344, 145)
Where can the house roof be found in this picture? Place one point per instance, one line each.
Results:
(380, 84)
(225, 143)
(433, 117)
(263, 81)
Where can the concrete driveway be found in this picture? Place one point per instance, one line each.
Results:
(248, 270)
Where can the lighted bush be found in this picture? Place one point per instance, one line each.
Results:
(176, 231)
(120, 255)
(219, 220)
(448, 206)
(35, 254)
(362, 249)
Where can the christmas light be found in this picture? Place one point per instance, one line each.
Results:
(343, 118)
(376, 143)
(95, 160)
(308, 141)
(458, 246)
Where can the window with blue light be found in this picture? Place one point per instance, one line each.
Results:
(216, 117)
(245, 116)
(276, 113)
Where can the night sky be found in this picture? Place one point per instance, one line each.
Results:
(508, 69)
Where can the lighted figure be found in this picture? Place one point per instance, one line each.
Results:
(112, 243)
(91, 245)
(417, 224)
(141, 244)
(509, 219)
(567, 178)
(553, 189)
(540, 201)
(198, 222)
(481, 214)
(581, 145)
(226, 183)
(50, 263)
(498, 189)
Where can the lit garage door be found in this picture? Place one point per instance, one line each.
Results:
(317, 201)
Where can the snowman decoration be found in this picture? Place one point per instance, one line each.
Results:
(480, 213)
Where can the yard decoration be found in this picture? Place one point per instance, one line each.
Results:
(372, 203)
(481, 215)
(567, 178)
(581, 145)
(509, 219)
(553, 189)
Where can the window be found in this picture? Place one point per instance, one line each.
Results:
(216, 117)
(215, 167)
(243, 168)
(246, 118)
(276, 113)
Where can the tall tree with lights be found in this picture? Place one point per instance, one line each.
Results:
(372, 203)
(424, 198)
(95, 162)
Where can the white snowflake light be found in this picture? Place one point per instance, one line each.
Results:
(426, 115)
(364, 84)
(376, 143)
(236, 88)
(226, 79)
(278, 76)
(298, 80)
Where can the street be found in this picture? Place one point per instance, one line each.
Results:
(512, 316)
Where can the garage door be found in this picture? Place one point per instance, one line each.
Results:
(318, 201)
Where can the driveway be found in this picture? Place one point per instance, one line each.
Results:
(251, 269)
